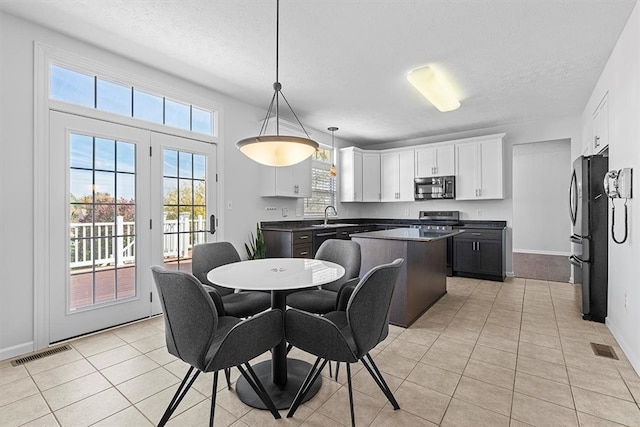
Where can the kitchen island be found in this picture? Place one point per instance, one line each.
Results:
(423, 276)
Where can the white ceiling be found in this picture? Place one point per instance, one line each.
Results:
(343, 63)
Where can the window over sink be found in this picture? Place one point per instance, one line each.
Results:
(323, 186)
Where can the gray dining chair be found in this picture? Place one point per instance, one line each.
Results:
(347, 335)
(320, 301)
(208, 342)
(206, 257)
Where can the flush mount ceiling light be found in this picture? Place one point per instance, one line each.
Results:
(434, 88)
(277, 150)
(332, 170)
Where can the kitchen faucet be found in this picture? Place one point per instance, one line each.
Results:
(325, 213)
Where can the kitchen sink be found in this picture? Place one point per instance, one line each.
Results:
(333, 225)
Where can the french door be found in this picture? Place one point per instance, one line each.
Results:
(184, 204)
(112, 208)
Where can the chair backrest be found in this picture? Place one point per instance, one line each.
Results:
(368, 307)
(207, 256)
(190, 316)
(344, 252)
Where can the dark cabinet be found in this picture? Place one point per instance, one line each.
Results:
(479, 253)
(288, 244)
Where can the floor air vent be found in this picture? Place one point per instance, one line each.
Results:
(40, 355)
(604, 351)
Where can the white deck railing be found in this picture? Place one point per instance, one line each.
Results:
(108, 243)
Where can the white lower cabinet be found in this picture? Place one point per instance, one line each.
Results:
(479, 170)
(288, 181)
(397, 172)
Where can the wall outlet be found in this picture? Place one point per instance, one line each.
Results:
(298, 212)
(285, 212)
(229, 205)
(479, 212)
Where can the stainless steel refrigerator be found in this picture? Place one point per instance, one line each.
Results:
(589, 215)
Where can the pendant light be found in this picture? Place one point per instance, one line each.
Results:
(332, 171)
(277, 150)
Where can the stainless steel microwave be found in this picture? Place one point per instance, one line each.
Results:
(435, 187)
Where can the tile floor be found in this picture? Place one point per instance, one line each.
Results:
(487, 354)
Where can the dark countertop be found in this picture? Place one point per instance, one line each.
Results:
(406, 234)
(308, 225)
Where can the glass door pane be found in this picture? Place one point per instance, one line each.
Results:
(184, 206)
(102, 206)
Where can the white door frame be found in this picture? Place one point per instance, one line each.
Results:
(44, 55)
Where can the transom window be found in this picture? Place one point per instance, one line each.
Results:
(323, 186)
(96, 92)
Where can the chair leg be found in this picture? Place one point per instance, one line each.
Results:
(353, 415)
(185, 385)
(258, 388)
(330, 373)
(214, 391)
(368, 363)
(289, 347)
(227, 374)
(337, 369)
(311, 377)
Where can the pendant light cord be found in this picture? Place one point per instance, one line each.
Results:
(277, 87)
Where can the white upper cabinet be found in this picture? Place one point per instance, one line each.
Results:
(437, 160)
(479, 169)
(370, 176)
(359, 175)
(350, 174)
(288, 181)
(600, 136)
(397, 171)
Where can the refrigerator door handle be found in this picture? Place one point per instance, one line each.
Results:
(577, 261)
(573, 198)
(576, 239)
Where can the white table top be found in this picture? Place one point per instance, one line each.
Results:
(275, 274)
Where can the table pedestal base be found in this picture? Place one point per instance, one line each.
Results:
(282, 396)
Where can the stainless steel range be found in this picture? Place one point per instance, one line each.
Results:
(439, 221)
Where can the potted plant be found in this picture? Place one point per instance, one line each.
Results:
(256, 249)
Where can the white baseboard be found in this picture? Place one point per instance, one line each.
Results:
(634, 358)
(535, 252)
(510, 274)
(16, 350)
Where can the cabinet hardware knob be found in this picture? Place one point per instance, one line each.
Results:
(304, 237)
(304, 253)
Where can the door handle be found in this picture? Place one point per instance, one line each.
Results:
(212, 224)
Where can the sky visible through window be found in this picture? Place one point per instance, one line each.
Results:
(94, 92)
(102, 166)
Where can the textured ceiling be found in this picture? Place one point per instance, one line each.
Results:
(343, 63)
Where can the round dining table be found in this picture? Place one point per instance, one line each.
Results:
(281, 376)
